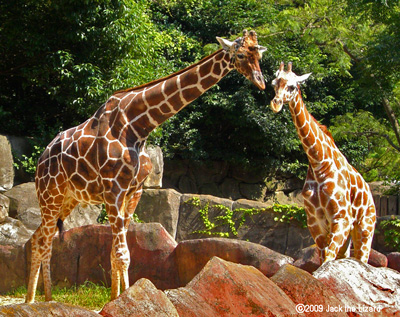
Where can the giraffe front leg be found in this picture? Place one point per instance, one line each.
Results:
(337, 238)
(129, 210)
(362, 235)
(120, 260)
(120, 257)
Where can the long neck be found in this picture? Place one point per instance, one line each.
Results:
(149, 105)
(315, 142)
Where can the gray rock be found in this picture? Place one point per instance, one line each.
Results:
(82, 216)
(13, 232)
(4, 205)
(21, 198)
(154, 180)
(190, 220)
(262, 228)
(162, 206)
(6, 165)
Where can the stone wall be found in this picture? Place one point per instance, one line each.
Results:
(182, 220)
(233, 182)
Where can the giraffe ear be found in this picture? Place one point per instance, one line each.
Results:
(226, 44)
(303, 78)
(261, 49)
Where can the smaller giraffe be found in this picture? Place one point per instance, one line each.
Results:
(338, 201)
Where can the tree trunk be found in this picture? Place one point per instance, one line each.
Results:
(392, 118)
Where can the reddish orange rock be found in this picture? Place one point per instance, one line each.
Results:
(224, 288)
(305, 289)
(193, 255)
(141, 299)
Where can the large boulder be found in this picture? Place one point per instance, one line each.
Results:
(193, 255)
(254, 221)
(190, 219)
(12, 267)
(13, 232)
(6, 165)
(308, 259)
(227, 289)
(83, 254)
(45, 309)
(394, 261)
(162, 206)
(4, 206)
(367, 290)
(262, 228)
(22, 197)
(141, 299)
(306, 290)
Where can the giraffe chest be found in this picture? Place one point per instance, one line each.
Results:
(332, 193)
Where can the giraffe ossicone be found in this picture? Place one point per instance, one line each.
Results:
(103, 160)
(338, 202)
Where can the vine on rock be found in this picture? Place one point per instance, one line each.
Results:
(229, 221)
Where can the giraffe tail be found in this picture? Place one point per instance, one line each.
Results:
(60, 225)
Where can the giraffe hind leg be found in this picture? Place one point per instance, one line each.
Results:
(41, 254)
(36, 262)
(344, 251)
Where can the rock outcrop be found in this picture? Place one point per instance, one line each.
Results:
(394, 261)
(198, 282)
(304, 289)
(141, 299)
(84, 254)
(368, 290)
(226, 289)
(6, 165)
(193, 255)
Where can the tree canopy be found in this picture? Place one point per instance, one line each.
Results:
(61, 60)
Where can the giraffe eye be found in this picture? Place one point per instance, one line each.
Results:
(240, 55)
(291, 88)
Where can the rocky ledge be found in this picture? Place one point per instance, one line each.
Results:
(205, 277)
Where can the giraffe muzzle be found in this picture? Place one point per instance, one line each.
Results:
(258, 79)
(276, 105)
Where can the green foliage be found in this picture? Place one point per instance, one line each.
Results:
(70, 58)
(74, 55)
(225, 225)
(88, 295)
(391, 232)
(360, 136)
(290, 213)
(29, 163)
(103, 216)
(230, 221)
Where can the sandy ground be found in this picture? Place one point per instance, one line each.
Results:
(7, 300)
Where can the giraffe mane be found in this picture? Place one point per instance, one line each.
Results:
(322, 127)
(156, 81)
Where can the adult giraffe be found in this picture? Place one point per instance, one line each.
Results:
(104, 158)
(337, 200)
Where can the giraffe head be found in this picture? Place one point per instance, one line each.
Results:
(286, 86)
(245, 54)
